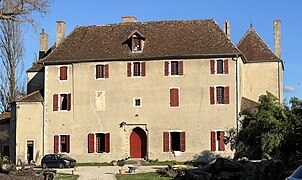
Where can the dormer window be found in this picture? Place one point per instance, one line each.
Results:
(135, 42)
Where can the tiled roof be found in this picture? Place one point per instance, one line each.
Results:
(248, 104)
(255, 49)
(4, 116)
(164, 39)
(36, 96)
(36, 67)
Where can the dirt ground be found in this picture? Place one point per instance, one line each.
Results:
(28, 174)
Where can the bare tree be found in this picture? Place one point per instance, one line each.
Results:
(11, 55)
(21, 10)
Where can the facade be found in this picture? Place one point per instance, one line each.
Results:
(164, 90)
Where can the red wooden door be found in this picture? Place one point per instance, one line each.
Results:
(138, 144)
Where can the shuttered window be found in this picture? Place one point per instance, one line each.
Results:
(98, 142)
(174, 141)
(173, 68)
(217, 141)
(61, 143)
(136, 69)
(219, 66)
(62, 102)
(102, 71)
(220, 95)
(63, 72)
(174, 97)
(55, 102)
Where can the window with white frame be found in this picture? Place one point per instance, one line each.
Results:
(219, 66)
(137, 102)
(62, 102)
(61, 144)
(136, 69)
(174, 141)
(220, 95)
(217, 141)
(173, 68)
(98, 142)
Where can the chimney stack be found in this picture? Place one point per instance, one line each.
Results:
(61, 26)
(128, 19)
(277, 38)
(43, 43)
(227, 29)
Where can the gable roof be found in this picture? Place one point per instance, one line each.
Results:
(164, 39)
(248, 104)
(255, 49)
(36, 96)
(5, 116)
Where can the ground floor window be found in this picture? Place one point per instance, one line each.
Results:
(62, 143)
(98, 142)
(174, 141)
(217, 141)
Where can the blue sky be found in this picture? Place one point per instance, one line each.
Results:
(240, 13)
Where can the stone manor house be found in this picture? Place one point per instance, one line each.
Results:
(164, 90)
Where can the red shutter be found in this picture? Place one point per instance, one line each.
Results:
(174, 97)
(143, 68)
(107, 142)
(183, 141)
(212, 64)
(90, 142)
(226, 66)
(55, 102)
(56, 144)
(67, 143)
(98, 71)
(166, 68)
(166, 142)
(221, 141)
(129, 69)
(227, 94)
(106, 71)
(63, 73)
(69, 102)
(212, 95)
(213, 141)
(181, 68)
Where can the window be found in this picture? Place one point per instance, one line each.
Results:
(173, 68)
(61, 143)
(136, 69)
(63, 72)
(62, 102)
(98, 142)
(217, 141)
(174, 97)
(219, 66)
(136, 43)
(102, 71)
(174, 141)
(137, 102)
(220, 95)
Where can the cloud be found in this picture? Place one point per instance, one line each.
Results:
(289, 89)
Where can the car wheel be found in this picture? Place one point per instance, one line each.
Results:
(44, 166)
(61, 165)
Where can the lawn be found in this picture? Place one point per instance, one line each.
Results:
(142, 176)
(64, 176)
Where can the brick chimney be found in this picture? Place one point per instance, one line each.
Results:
(43, 43)
(227, 29)
(128, 19)
(277, 38)
(61, 26)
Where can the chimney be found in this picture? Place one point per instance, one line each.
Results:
(277, 38)
(43, 43)
(227, 29)
(61, 26)
(128, 19)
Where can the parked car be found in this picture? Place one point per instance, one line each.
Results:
(297, 175)
(57, 161)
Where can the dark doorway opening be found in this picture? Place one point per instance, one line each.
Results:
(30, 151)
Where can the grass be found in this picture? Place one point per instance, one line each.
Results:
(95, 164)
(64, 176)
(142, 176)
(151, 163)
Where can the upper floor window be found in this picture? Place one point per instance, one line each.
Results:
(63, 73)
(102, 71)
(136, 43)
(219, 66)
(62, 102)
(137, 102)
(174, 97)
(217, 141)
(136, 69)
(220, 95)
(173, 68)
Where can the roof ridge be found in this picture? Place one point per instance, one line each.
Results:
(28, 95)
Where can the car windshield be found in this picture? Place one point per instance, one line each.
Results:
(298, 173)
(64, 156)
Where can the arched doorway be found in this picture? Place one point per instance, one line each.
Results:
(138, 143)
